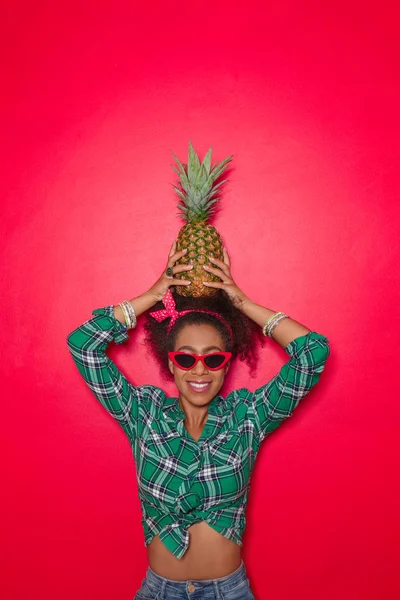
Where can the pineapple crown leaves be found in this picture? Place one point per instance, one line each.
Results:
(197, 181)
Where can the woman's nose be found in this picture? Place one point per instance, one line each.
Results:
(199, 368)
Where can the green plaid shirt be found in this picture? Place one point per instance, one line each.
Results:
(182, 481)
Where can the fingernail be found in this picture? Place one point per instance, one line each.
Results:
(185, 250)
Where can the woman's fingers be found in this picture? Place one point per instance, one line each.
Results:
(175, 256)
(214, 284)
(173, 248)
(223, 266)
(180, 282)
(181, 268)
(226, 257)
(218, 272)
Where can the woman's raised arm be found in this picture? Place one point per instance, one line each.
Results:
(273, 402)
(88, 344)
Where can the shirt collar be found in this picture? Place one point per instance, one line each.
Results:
(175, 411)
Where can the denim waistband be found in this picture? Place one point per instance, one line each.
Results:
(225, 583)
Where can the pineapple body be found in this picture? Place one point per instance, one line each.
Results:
(201, 240)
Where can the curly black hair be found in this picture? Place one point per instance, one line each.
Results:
(247, 335)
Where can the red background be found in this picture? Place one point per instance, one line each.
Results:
(96, 95)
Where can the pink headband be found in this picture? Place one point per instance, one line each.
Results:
(170, 311)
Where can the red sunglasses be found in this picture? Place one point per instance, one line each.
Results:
(213, 362)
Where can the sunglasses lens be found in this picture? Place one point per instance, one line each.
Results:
(214, 360)
(185, 360)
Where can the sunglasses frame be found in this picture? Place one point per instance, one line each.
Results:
(197, 357)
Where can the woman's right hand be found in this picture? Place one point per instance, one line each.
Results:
(164, 282)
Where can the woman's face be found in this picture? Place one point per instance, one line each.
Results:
(199, 339)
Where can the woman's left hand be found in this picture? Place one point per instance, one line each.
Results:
(222, 270)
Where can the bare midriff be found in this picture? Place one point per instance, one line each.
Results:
(210, 555)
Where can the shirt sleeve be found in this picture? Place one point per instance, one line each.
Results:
(87, 345)
(276, 400)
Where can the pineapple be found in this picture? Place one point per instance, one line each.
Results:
(198, 196)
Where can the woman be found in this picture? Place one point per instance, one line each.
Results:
(194, 454)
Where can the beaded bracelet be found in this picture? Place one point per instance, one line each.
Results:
(129, 314)
(272, 322)
(132, 313)
(126, 315)
(269, 321)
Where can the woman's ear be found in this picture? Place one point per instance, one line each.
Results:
(227, 367)
(171, 366)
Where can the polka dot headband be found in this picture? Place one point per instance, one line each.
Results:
(170, 311)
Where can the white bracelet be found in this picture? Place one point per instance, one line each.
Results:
(129, 314)
(126, 315)
(272, 322)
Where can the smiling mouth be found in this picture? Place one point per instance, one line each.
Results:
(199, 387)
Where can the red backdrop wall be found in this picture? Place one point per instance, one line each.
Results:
(96, 96)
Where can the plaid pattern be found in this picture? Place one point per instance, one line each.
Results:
(181, 481)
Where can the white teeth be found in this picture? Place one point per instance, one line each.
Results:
(199, 386)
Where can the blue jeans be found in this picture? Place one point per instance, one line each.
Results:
(235, 586)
